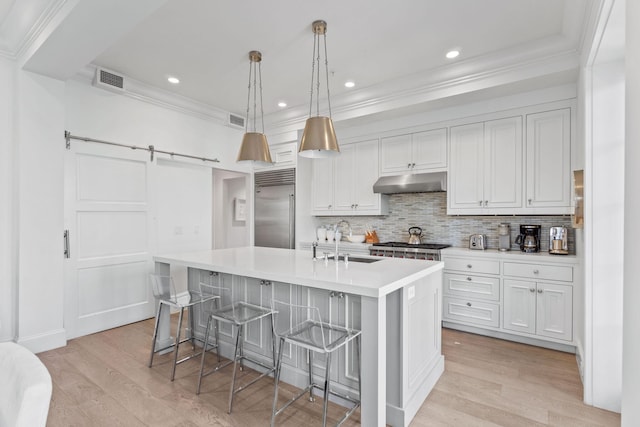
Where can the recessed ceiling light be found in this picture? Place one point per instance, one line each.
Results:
(349, 84)
(282, 104)
(173, 80)
(453, 54)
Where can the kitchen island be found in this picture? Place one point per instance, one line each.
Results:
(395, 302)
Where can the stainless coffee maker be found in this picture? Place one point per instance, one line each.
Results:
(558, 241)
(529, 238)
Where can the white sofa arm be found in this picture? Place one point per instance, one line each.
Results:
(25, 391)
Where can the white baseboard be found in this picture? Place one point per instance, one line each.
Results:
(43, 342)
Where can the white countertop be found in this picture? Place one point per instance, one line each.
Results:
(513, 255)
(297, 267)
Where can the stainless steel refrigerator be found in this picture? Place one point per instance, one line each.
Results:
(275, 195)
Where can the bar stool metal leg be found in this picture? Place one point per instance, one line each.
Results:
(235, 365)
(204, 352)
(310, 357)
(326, 390)
(177, 346)
(155, 334)
(276, 382)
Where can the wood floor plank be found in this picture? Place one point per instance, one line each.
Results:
(103, 380)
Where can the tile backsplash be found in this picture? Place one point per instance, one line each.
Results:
(429, 212)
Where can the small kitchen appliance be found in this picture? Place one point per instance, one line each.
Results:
(478, 241)
(529, 238)
(558, 241)
(504, 237)
(415, 235)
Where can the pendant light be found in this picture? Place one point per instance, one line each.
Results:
(319, 137)
(254, 148)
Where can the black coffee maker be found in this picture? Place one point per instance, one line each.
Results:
(529, 238)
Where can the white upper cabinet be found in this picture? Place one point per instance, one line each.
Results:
(549, 160)
(415, 152)
(283, 156)
(322, 187)
(344, 185)
(485, 171)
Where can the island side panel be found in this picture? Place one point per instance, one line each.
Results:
(374, 361)
(164, 325)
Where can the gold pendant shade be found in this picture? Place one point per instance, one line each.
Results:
(319, 138)
(255, 148)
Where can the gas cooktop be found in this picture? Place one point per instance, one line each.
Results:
(435, 246)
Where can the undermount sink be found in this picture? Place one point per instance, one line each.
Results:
(359, 259)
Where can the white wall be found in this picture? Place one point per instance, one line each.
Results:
(606, 198)
(631, 346)
(39, 173)
(181, 211)
(6, 180)
(227, 186)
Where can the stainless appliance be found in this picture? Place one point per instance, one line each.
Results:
(504, 237)
(558, 241)
(529, 238)
(274, 213)
(415, 235)
(426, 251)
(478, 241)
(412, 183)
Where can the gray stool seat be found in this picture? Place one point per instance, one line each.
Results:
(238, 314)
(316, 336)
(164, 291)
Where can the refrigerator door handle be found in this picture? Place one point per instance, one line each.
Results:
(292, 220)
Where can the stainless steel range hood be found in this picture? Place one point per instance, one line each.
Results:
(414, 183)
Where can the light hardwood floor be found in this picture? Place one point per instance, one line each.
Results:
(103, 380)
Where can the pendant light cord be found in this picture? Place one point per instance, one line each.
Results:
(246, 124)
(326, 69)
(261, 107)
(315, 74)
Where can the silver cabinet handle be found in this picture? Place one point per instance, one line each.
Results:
(67, 251)
(469, 266)
(532, 289)
(539, 291)
(468, 304)
(408, 165)
(336, 294)
(265, 282)
(329, 207)
(486, 202)
(481, 203)
(353, 206)
(469, 279)
(529, 201)
(536, 271)
(413, 165)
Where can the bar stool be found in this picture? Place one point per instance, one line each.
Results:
(165, 291)
(238, 314)
(314, 335)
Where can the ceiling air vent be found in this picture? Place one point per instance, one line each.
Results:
(235, 121)
(108, 80)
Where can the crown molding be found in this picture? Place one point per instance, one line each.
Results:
(441, 83)
(143, 92)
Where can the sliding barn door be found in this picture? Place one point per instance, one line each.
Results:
(108, 220)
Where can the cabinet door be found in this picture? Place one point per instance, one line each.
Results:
(429, 150)
(395, 154)
(349, 309)
(555, 311)
(344, 173)
(322, 186)
(503, 163)
(466, 169)
(519, 306)
(365, 167)
(549, 159)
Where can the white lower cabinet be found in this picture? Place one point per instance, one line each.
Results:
(509, 295)
(543, 309)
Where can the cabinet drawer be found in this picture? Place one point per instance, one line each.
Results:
(562, 273)
(472, 265)
(476, 287)
(477, 313)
